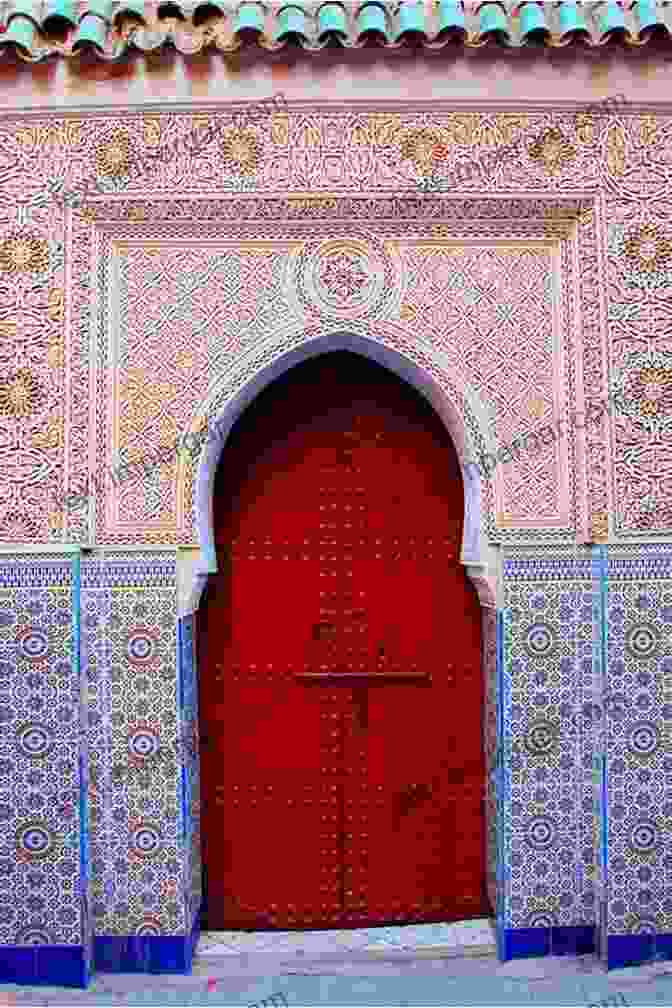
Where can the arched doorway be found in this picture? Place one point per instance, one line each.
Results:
(342, 773)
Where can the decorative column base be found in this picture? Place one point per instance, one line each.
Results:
(52, 965)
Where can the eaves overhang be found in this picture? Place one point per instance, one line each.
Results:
(111, 30)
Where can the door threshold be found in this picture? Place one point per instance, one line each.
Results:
(466, 938)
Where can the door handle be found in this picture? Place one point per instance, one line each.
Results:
(335, 676)
(324, 630)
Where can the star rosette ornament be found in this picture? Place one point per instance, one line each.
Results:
(20, 394)
(553, 151)
(647, 249)
(24, 253)
(241, 151)
(643, 390)
(346, 278)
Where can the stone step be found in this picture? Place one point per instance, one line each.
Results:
(457, 939)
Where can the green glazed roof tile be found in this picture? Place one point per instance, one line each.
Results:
(21, 31)
(316, 23)
(102, 8)
(492, 19)
(411, 18)
(532, 20)
(92, 31)
(571, 18)
(450, 17)
(29, 8)
(332, 18)
(57, 11)
(610, 18)
(250, 17)
(291, 20)
(647, 15)
(371, 18)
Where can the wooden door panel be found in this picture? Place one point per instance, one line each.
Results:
(268, 633)
(278, 819)
(414, 808)
(402, 837)
(339, 663)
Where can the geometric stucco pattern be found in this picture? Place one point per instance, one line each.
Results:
(184, 316)
(277, 283)
(639, 277)
(602, 289)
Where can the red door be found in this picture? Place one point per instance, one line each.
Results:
(341, 695)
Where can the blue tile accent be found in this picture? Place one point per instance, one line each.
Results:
(181, 725)
(53, 965)
(504, 702)
(633, 950)
(524, 943)
(79, 672)
(600, 585)
(143, 954)
(188, 765)
(663, 947)
(158, 573)
(521, 943)
(147, 953)
(573, 940)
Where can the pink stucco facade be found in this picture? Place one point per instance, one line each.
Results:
(153, 285)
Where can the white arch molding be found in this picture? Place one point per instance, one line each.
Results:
(232, 395)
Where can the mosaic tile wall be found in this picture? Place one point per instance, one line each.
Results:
(98, 785)
(137, 816)
(586, 711)
(549, 815)
(638, 777)
(43, 847)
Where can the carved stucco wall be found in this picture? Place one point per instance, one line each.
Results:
(123, 317)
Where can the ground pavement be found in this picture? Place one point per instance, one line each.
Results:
(437, 965)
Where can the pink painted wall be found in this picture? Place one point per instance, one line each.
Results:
(492, 76)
